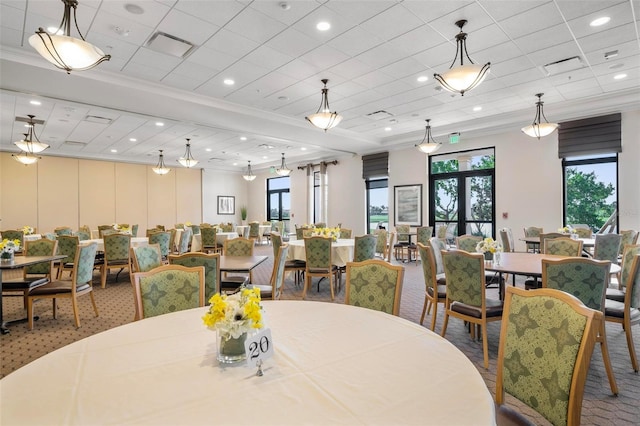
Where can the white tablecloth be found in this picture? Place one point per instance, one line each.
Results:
(333, 364)
(244, 229)
(32, 237)
(341, 251)
(135, 241)
(196, 240)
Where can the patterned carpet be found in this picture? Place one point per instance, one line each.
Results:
(115, 304)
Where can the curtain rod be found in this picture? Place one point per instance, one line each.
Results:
(326, 163)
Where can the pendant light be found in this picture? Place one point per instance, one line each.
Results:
(323, 118)
(66, 52)
(538, 128)
(464, 77)
(283, 170)
(26, 157)
(187, 160)
(248, 176)
(428, 145)
(27, 144)
(160, 168)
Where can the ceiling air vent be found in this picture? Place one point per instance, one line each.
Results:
(74, 144)
(379, 115)
(97, 120)
(563, 65)
(171, 45)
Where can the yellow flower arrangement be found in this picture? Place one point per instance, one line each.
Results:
(27, 230)
(333, 233)
(566, 230)
(9, 246)
(235, 314)
(488, 245)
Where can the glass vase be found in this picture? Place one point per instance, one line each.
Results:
(230, 349)
(7, 257)
(488, 256)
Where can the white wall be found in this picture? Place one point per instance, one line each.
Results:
(216, 184)
(629, 172)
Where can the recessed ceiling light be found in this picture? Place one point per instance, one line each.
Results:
(133, 140)
(283, 98)
(235, 164)
(229, 82)
(599, 21)
(422, 78)
(323, 26)
(114, 150)
(387, 129)
(35, 103)
(619, 76)
(264, 157)
(243, 138)
(208, 149)
(616, 66)
(159, 123)
(134, 8)
(303, 148)
(478, 108)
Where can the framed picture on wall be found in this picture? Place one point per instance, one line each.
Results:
(226, 204)
(408, 205)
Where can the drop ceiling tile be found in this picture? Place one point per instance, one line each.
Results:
(502, 10)
(267, 85)
(151, 58)
(255, 25)
(211, 58)
(359, 11)
(144, 72)
(16, 4)
(442, 54)
(193, 70)
(293, 43)
(11, 18)
(324, 57)
(298, 69)
(181, 81)
(297, 10)
(534, 20)
(151, 17)
(118, 47)
(307, 24)
(373, 79)
(575, 9)
(344, 90)
(380, 56)
(355, 41)
(497, 54)
(194, 30)
(553, 36)
(350, 69)
(476, 16)
(268, 57)
(216, 12)
(230, 43)
(521, 77)
(430, 10)
(571, 89)
(620, 15)
(397, 88)
(627, 52)
(610, 37)
(392, 22)
(403, 68)
(12, 38)
(555, 53)
(521, 63)
(105, 23)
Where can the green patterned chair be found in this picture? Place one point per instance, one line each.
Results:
(211, 264)
(546, 343)
(13, 234)
(402, 242)
(102, 228)
(209, 237)
(622, 278)
(67, 245)
(185, 240)
(346, 233)
(374, 284)
(236, 247)
(179, 226)
(116, 255)
(364, 247)
(254, 232)
(80, 284)
(295, 266)
(83, 235)
(196, 229)
(466, 297)
(607, 247)
(163, 239)
(226, 227)
(627, 312)
(423, 234)
(586, 279)
(506, 239)
(33, 276)
(381, 243)
(169, 288)
(273, 290)
(562, 246)
(434, 292)
(63, 230)
(531, 232)
(134, 230)
(318, 263)
(629, 237)
(145, 258)
(468, 242)
(108, 232)
(582, 231)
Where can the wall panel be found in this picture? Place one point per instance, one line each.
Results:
(18, 194)
(161, 199)
(188, 195)
(57, 193)
(97, 193)
(131, 195)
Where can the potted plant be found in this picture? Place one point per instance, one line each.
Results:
(243, 214)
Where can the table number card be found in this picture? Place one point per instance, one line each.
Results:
(259, 347)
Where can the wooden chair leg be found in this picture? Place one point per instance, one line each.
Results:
(605, 358)
(305, 286)
(632, 351)
(485, 345)
(54, 308)
(93, 302)
(103, 276)
(331, 284)
(444, 324)
(424, 308)
(76, 314)
(434, 315)
(30, 313)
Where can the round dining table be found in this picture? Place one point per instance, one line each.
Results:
(341, 251)
(332, 364)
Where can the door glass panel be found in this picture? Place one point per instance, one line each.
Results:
(479, 205)
(286, 210)
(378, 210)
(274, 206)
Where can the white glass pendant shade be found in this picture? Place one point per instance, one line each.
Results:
(30, 146)
(428, 145)
(25, 158)
(67, 53)
(283, 170)
(248, 175)
(160, 168)
(463, 78)
(187, 160)
(539, 130)
(323, 118)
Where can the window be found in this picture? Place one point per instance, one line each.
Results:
(461, 192)
(316, 197)
(279, 200)
(377, 204)
(590, 190)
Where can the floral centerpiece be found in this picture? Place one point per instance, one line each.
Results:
(488, 247)
(27, 230)
(9, 247)
(233, 316)
(566, 230)
(187, 223)
(333, 233)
